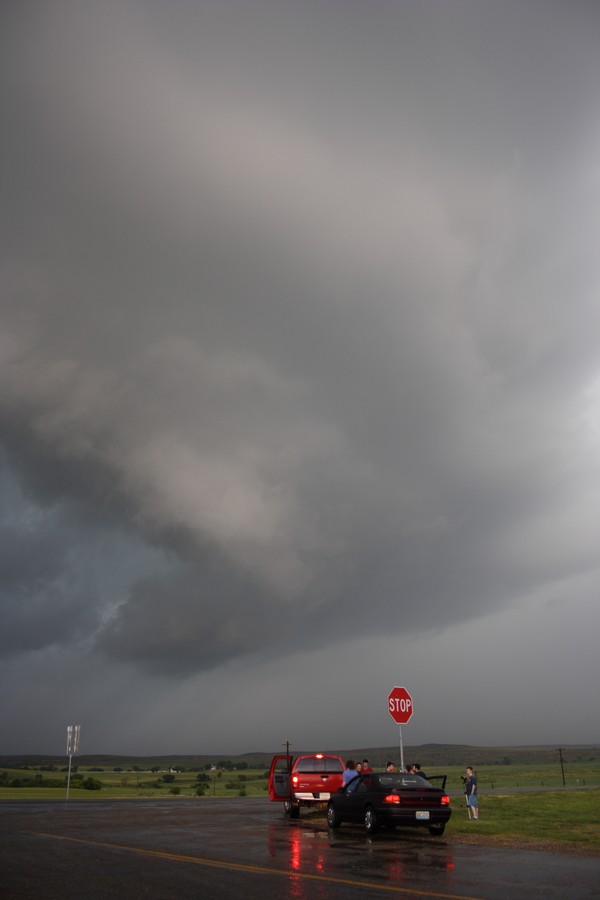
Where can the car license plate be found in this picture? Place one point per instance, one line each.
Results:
(422, 814)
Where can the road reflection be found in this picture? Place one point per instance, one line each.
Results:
(405, 860)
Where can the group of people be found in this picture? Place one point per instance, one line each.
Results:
(353, 769)
(410, 769)
(359, 768)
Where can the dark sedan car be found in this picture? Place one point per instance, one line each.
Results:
(391, 798)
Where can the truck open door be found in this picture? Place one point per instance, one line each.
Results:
(279, 778)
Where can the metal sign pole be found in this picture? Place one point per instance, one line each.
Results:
(69, 775)
(401, 750)
(72, 747)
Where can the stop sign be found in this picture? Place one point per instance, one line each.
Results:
(400, 705)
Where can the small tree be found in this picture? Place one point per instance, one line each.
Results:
(91, 784)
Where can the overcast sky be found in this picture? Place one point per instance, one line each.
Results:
(299, 373)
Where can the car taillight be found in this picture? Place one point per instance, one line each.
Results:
(392, 798)
(445, 801)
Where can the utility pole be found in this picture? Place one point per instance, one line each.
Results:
(562, 768)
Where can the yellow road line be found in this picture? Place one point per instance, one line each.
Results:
(257, 870)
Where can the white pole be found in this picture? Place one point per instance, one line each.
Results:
(401, 750)
(72, 747)
(69, 775)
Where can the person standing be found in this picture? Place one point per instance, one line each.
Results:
(471, 792)
(366, 766)
(350, 772)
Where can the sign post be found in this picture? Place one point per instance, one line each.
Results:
(72, 747)
(400, 708)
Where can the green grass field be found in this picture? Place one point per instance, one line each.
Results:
(252, 782)
(568, 818)
(132, 784)
(530, 775)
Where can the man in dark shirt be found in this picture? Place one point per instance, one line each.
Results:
(471, 792)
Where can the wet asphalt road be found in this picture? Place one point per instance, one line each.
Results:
(246, 848)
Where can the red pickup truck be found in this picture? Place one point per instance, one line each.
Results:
(304, 780)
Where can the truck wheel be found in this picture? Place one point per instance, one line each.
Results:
(291, 809)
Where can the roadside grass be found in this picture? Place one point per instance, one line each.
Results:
(569, 818)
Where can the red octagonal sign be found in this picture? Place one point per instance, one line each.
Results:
(400, 705)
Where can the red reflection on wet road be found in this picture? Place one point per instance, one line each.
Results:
(391, 859)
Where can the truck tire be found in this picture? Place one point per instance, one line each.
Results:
(291, 809)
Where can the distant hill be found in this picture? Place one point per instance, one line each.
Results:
(428, 755)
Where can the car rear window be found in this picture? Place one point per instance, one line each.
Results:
(326, 765)
(390, 780)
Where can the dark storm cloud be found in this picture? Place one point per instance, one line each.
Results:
(33, 610)
(299, 321)
(39, 604)
(192, 620)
